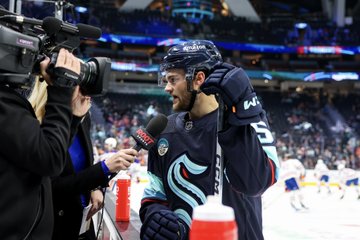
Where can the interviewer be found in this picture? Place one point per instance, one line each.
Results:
(77, 184)
(31, 152)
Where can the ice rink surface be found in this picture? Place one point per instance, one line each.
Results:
(328, 217)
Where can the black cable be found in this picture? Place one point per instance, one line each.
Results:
(102, 216)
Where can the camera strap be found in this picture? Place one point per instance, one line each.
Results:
(65, 77)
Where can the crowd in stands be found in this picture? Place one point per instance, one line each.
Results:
(137, 22)
(272, 30)
(122, 115)
(309, 129)
(298, 120)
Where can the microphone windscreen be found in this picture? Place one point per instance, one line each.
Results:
(51, 25)
(88, 31)
(156, 125)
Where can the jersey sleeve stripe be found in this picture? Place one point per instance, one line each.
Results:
(272, 171)
(152, 200)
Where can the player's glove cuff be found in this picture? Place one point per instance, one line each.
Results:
(164, 224)
(246, 111)
(183, 230)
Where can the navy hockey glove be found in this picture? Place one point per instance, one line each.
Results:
(163, 225)
(234, 87)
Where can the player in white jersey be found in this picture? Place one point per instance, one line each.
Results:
(110, 145)
(322, 174)
(293, 172)
(348, 177)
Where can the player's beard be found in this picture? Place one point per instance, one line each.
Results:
(182, 102)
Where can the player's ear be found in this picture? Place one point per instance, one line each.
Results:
(199, 78)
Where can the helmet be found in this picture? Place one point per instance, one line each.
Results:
(320, 161)
(111, 142)
(191, 56)
(340, 166)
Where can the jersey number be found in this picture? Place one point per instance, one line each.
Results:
(263, 133)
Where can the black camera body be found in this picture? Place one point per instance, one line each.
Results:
(18, 51)
(24, 43)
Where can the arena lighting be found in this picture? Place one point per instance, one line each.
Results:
(81, 9)
(345, 76)
(335, 50)
(115, 39)
(251, 47)
(301, 25)
(336, 76)
(267, 76)
(319, 50)
(102, 39)
(170, 42)
(133, 67)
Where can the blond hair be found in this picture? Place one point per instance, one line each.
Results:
(38, 98)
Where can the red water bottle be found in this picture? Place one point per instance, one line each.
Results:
(123, 185)
(213, 221)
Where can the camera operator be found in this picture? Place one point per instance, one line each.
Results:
(30, 152)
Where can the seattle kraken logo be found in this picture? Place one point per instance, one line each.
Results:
(175, 179)
(163, 146)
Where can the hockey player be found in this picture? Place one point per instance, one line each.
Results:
(322, 173)
(109, 149)
(182, 167)
(293, 172)
(348, 177)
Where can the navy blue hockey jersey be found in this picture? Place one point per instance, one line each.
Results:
(182, 169)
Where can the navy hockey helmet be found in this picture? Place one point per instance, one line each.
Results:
(192, 56)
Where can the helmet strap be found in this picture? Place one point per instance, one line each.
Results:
(192, 100)
(189, 80)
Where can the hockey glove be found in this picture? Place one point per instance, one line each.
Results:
(162, 225)
(235, 89)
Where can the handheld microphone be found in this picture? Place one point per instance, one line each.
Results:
(145, 138)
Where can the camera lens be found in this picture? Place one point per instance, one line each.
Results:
(94, 76)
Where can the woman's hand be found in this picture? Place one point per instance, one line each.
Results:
(65, 60)
(121, 160)
(80, 103)
(97, 200)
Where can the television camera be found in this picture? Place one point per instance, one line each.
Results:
(24, 42)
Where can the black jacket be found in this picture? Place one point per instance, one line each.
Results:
(29, 154)
(68, 187)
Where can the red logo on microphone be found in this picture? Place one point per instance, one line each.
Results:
(144, 138)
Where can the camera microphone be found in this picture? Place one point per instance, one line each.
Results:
(145, 138)
(52, 25)
(88, 31)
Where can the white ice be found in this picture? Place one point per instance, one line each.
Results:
(328, 217)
